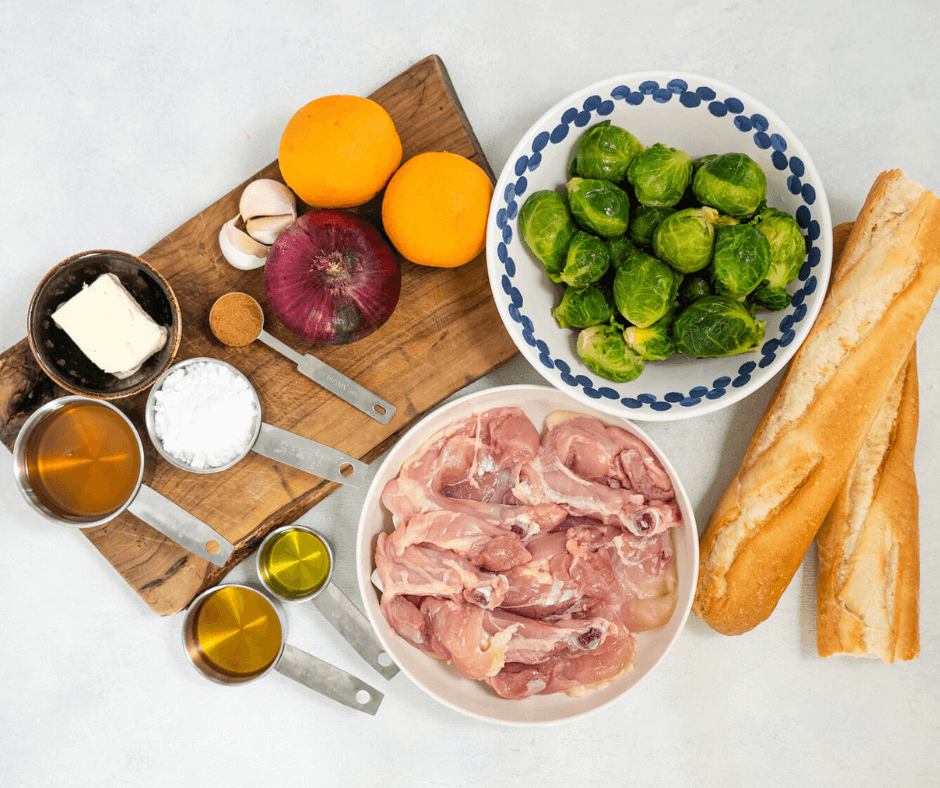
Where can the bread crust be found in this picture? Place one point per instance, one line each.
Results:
(822, 411)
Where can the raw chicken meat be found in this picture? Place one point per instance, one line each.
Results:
(526, 561)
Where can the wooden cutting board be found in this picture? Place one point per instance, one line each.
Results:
(444, 334)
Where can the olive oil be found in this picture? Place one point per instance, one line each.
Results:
(83, 461)
(235, 634)
(295, 564)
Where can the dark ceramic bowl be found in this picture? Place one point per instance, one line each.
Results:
(60, 357)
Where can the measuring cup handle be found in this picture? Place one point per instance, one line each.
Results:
(352, 624)
(308, 455)
(175, 522)
(328, 680)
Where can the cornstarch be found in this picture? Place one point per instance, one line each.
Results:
(205, 415)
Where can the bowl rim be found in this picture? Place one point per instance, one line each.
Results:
(175, 329)
(412, 440)
(647, 407)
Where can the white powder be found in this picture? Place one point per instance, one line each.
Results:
(206, 415)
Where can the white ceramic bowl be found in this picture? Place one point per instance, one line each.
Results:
(442, 680)
(701, 116)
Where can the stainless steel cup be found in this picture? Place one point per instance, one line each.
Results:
(338, 609)
(289, 661)
(150, 506)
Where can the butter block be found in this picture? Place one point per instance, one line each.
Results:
(109, 327)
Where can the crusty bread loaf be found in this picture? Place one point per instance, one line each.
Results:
(816, 423)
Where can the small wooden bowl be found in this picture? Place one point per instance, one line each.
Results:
(60, 357)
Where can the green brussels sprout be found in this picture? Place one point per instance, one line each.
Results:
(604, 350)
(644, 289)
(697, 163)
(715, 326)
(587, 260)
(655, 342)
(583, 307)
(740, 261)
(693, 286)
(605, 151)
(660, 175)
(620, 248)
(686, 238)
(787, 253)
(599, 206)
(643, 221)
(547, 228)
(733, 183)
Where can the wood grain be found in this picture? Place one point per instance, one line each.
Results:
(444, 334)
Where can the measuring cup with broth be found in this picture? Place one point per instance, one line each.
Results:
(234, 634)
(80, 462)
(295, 564)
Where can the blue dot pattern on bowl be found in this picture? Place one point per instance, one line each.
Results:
(763, 138)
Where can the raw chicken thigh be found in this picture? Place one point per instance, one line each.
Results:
(529, 561)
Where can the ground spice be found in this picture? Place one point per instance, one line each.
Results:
(236, 319)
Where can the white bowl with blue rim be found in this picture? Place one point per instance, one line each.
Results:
(699, 115)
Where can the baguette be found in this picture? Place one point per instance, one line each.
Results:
(814, 427)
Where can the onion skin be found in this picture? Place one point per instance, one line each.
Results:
(332, 278)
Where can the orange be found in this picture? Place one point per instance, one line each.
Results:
(339, 151)
(435, 209)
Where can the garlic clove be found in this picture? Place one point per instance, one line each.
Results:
(266, 229)
(267, 197)
(240, 249)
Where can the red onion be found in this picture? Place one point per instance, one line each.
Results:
(331, 278)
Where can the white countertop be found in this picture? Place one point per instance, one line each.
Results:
(120, 121)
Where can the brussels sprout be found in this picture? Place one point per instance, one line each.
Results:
(644, 289)
(716, 326)
(702, 160)
(605, 151)
(599, 206)
(733, 183)
(604, 350)
(620, 248)
(547, 228)
(583, 307)
(587, 260)
(660, 175)
(693, 286)
(686, 238)
(724, 220)
(787, 253)
(643, 221)
(740, 261)
(655, 342)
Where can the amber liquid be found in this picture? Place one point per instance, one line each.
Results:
(236, 633)
(83, 461)
(295, 564)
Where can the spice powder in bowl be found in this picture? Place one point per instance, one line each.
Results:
(236, 319)
(205, 415)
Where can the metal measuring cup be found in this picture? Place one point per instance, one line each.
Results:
(270, 441)
(338, 609)
(160, 513)
(263, 639)
(318, 371)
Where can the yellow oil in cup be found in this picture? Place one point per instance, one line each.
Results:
(295, 564)
(235, 634)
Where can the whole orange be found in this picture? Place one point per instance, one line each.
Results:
(435, 208)
(339, 151)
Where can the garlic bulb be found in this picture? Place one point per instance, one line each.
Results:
(266, 207)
